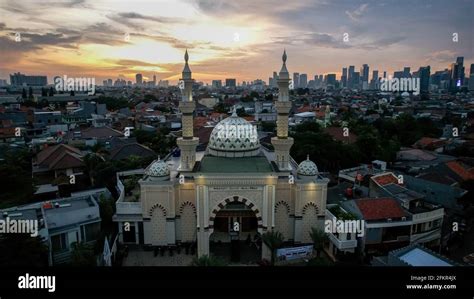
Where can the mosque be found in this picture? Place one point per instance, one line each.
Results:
(234, 189)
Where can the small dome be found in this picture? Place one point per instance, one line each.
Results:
(234, 137)
(157, 168)
(307, 167)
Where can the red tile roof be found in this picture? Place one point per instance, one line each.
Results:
(385, 179)
(380, 208)
(459, 169)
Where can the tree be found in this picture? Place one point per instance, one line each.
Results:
(208, 261)
(22, 250)
(51, 91)
(23, 94)
(319, 238)
(273, 240)
(30, 93)
(82, 255)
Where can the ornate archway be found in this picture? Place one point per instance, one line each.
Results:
(231, 199)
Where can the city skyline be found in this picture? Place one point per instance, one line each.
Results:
(244, 45)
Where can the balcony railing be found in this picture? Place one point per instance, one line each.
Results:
(342, 245)
(128, 207)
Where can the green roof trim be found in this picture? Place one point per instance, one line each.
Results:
(210, 164)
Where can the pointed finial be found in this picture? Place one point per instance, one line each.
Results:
(234, 111)
(284, 56)
(186, 56)
(159, 158)
(307, 157)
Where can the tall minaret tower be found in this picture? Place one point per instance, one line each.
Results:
(187, 143)
(282, 143)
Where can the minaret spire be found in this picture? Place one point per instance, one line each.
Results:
(282, 142)
(187, 142)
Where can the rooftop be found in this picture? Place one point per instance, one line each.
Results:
(210, 164)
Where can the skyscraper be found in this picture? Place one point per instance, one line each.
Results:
(471, 77)
(374, 84)
(18, 79)
(230, 83)
(364, 72)
(406, 72)
(296, 80)
(457, 73)
(303, 80)
(344, 77)
(350, 78)
(424, 74)
(139, 79)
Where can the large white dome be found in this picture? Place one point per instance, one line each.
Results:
(234, 137)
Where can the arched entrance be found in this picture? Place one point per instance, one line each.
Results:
(236, 225)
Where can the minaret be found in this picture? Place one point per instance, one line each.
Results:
(327, 116)
(282, 143)
(187, 143)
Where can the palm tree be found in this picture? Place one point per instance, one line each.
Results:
(273, 240)
(319, 238)
(208, 261)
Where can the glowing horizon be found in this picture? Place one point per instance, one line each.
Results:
(109, 39)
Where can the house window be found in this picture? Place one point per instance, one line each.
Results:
(59, 243)
(91, 231)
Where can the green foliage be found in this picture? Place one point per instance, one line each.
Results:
(83, 255)
(319, 238)
(268, 126)
(340, 214)
(208, 261)
(221, 108)
(15, 175)
(22, 250)
(113, 103)
(160, 142)
(273, 240)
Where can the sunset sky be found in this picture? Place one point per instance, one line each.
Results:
(229, 39)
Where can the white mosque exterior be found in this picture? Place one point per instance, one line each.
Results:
(198, 197)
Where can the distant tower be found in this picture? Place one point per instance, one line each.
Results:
(187, 143)
(327, 116)
(282, 143)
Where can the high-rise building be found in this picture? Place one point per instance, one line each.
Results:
(18, 79)
(274, 80)
(139, 79)
(344, 77)
(406, 72)
(296, 80)
(364, 73)
(374, 83)
(303, 80)
(216, 83)
(471, 77)
(331, 80)
(350, 77)
(424, 75)
(385, 74)
(398, 74)
(457, 73)
(109, 82)
(355, 80)
(231, 83)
